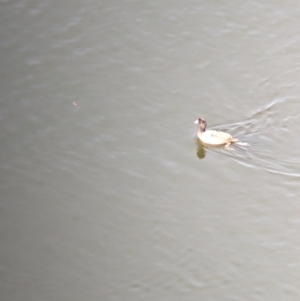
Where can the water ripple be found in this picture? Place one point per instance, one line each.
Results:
(272, 132)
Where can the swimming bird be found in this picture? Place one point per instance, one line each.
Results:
(214, 138)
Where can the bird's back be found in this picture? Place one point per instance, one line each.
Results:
(212, 137)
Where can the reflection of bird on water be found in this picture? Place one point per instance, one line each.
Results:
(201, 152)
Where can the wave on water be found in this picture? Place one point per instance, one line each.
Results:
(273, 134)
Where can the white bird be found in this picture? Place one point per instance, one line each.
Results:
(212, 137)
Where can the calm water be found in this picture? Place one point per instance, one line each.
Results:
(105, 192)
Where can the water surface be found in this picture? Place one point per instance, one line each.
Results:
(103, 193)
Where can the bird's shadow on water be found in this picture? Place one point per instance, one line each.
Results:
(265, 130)
(201, 151)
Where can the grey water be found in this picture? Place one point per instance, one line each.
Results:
(106, 193)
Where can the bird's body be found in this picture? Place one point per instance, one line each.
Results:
(212, 137)
(217, 138)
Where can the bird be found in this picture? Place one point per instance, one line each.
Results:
(213, 137)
